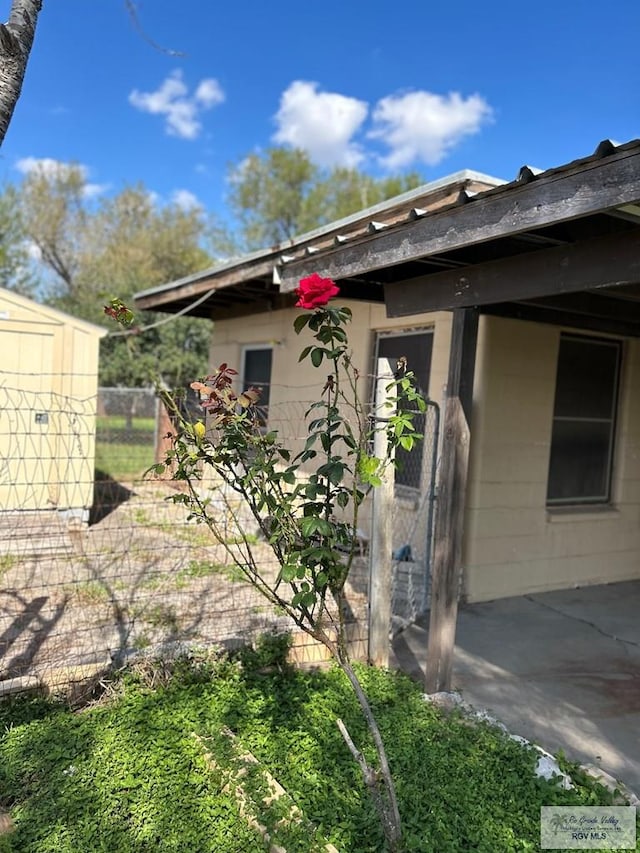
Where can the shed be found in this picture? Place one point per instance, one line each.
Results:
(48, 395)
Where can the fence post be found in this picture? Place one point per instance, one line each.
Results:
(380, 552)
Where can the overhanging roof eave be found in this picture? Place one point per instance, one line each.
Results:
(592, 186)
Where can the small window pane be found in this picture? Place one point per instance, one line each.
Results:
(586, 379)
(579, 467)
(257, 372)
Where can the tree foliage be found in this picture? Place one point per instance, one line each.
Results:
(280, 193)
(16, 271)
(94, 250)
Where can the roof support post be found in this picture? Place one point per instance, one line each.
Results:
(447, 564)
(381, 547)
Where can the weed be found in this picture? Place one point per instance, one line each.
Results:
(142, 641)
(87, 593)
(204, 569)
(161, 616)
(7, 562)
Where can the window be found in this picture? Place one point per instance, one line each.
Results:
(416, 347)
(583, 421)
(256, 372)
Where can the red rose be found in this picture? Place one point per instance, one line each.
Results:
(313, 291)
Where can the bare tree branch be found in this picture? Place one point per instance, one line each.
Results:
(132, 8)
(16, 41)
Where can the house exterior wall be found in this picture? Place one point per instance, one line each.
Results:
(513, 543)
(295, 385)
(48, 393)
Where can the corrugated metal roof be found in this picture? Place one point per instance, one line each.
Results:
(526, 174)
(412, 203)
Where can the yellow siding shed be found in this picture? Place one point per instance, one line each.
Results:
(48, 396)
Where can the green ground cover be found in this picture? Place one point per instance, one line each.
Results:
(131, 773)
(123, 461)
(118, 422)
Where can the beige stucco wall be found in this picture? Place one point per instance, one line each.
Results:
(513, 544)
(292, 381)
(49, 368)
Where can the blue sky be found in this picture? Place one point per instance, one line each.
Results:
(388, 87)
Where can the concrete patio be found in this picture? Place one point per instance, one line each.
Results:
(560, 668)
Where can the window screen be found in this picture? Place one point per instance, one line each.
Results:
(417, 350)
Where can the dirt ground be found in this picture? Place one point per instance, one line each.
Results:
(139, 576)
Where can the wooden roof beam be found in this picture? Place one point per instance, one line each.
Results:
(602, 262)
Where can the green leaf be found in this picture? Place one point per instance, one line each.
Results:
(321, 579)
(309, 526)
(311, 491)
(308, 599)
(300, 322)
(343, 499)
(305, 352)
(288, 572)
(317, 354)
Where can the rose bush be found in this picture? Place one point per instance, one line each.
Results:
(306, 503)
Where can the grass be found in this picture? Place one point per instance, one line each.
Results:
(204, 569)
(132, 774)
(123, 461)
(87, 593)
(122, 452)
(7, 562)
(118, 422)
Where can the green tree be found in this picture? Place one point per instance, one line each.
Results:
(94, 250)
(280, 193)
(16, 264)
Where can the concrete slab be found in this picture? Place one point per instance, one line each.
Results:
(559, 668)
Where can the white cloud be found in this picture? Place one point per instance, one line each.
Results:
(209, 93)
(186, 200)
(422, 126)
(181, 110)
(322, 123)
(50, 169)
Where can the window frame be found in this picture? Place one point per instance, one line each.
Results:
(246, 348)
(606, 499)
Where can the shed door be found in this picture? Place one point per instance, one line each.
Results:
(28, 443)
